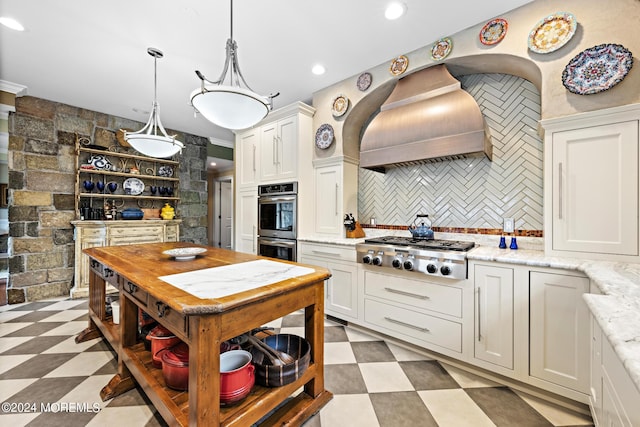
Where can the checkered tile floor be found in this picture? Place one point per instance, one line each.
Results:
(46, 379)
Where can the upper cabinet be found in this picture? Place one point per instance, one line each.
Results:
(591, 184)
(247, 144)
(279, 150)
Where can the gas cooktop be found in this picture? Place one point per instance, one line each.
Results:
(433, 244)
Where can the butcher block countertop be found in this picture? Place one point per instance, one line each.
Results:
(269, 277)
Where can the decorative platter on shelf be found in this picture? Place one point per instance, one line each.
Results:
(133, 186)
(399, 65)
(324, 136)
(441, 49)
(493, 31)
(364, 81)
(597, 69)
(552, 32)
(165, 171)
(184, 254)
(339, 105)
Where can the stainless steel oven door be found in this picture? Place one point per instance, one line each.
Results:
(277, 216)
(277, 248)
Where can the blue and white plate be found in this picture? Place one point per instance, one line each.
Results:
(597, 69)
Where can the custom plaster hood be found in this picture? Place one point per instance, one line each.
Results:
(426, 117)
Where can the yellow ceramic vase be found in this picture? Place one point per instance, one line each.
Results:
(167, 212)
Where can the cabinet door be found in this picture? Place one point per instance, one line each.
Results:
(559, 330)
(247, 221)
(269, 152)
(287, 148)
(595, 189)
(494, 315)
(328, 200)
(86, 238)
(247, 158)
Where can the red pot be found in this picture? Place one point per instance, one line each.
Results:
(236, 376)
(175, 366)
(161, 338)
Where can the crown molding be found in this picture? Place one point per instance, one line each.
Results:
(15, 88)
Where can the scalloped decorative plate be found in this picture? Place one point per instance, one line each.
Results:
(184, 254)
(324, 136)
(364, 81)
(597, 69)
(399, 65)
(552, 32)
(339, 105)
(493, 31)
(441, 49)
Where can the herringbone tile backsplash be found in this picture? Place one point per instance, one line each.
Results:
(472, 192)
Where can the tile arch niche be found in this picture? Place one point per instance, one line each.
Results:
(451, 192)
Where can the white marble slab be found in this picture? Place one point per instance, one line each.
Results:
(223, 281)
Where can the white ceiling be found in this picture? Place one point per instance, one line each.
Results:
(93, 54)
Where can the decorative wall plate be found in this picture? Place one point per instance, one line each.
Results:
(552, 32)
(324, 136)
(339, 105)
(441, 49)
(399, 65)
(364, 81)
(133, 186)
(165, 171)
(493, 31)
(597, 69)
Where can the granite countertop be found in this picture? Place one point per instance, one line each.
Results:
(617, 310)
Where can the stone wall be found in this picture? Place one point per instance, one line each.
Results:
(42, 191)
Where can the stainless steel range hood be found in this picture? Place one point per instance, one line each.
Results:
(427, 117)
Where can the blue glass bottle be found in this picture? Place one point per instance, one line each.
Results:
(503, 243)
(514, 244)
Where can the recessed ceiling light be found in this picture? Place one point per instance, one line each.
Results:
(318, 69)
(11, 23)
(395, 10)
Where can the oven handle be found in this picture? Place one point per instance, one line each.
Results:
(269, 199)
(276, 242)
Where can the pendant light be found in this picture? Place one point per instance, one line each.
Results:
(234, 105)
(147, 141)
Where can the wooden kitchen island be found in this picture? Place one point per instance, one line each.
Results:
(203, 323)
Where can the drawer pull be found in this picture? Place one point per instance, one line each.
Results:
(408, 325)
(163, 308)
(94, 263)
(132, 288)
(408, 294)
(325, 253)
(108, 272)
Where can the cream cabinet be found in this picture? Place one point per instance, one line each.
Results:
(89, 234)
(494, 311)
(246, 230)
(279, 150)
(559, 332)
(592, 184)
(341, 290)
(246, 158)
(328, 202)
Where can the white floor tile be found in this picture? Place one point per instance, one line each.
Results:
(122, 415)
(384, 377)
(66, 305)
(454, 408)
(403, 354)
(293, 331)
(10, 361)
(6, 316)
(7, 343)
(338, 352)
(466, 379)
(354, 410)
(69, 346)
(274, 323)
(69, 328)
(88, 392)
(10, 387)
(7, 328)
(557, 415)
(81, 365)
(17, 420)
(355, 335)
(65, 316)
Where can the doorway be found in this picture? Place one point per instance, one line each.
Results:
(223, 214)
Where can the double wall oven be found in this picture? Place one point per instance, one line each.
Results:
(277, 220)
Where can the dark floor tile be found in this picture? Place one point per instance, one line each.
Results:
(372, 351)
(401, 409)
(344, 379)
(293, 321)
(428, 375)
(34, 316)
(505, 408)
(62, 419)
(38, 366)
(102, 345)
(335, 334)
(35, 329)
(32, 306)
(109, 368)
(133, 397)
(156, 421)
(36, 345)
(47, 390)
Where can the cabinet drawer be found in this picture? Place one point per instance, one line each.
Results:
(137, 293)
(92, 233)
(174, 320)
(172, 234)
(337, 252)
(425, 295)
(149, 230)
(425, 328)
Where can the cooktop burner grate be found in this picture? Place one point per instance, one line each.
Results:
(438, 244)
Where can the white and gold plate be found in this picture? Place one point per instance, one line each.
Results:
(184, 254)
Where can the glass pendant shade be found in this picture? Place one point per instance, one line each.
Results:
(152, 140)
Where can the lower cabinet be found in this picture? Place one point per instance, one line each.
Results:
(559, 331)
(246, 232)
(341, 290)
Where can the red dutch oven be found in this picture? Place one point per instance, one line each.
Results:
(236, 376)
(175, 366)
(161, 338)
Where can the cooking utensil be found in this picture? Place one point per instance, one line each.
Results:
(268, 351)
(423, 229)
(175, 366)
(237, 376)
(275, 376)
